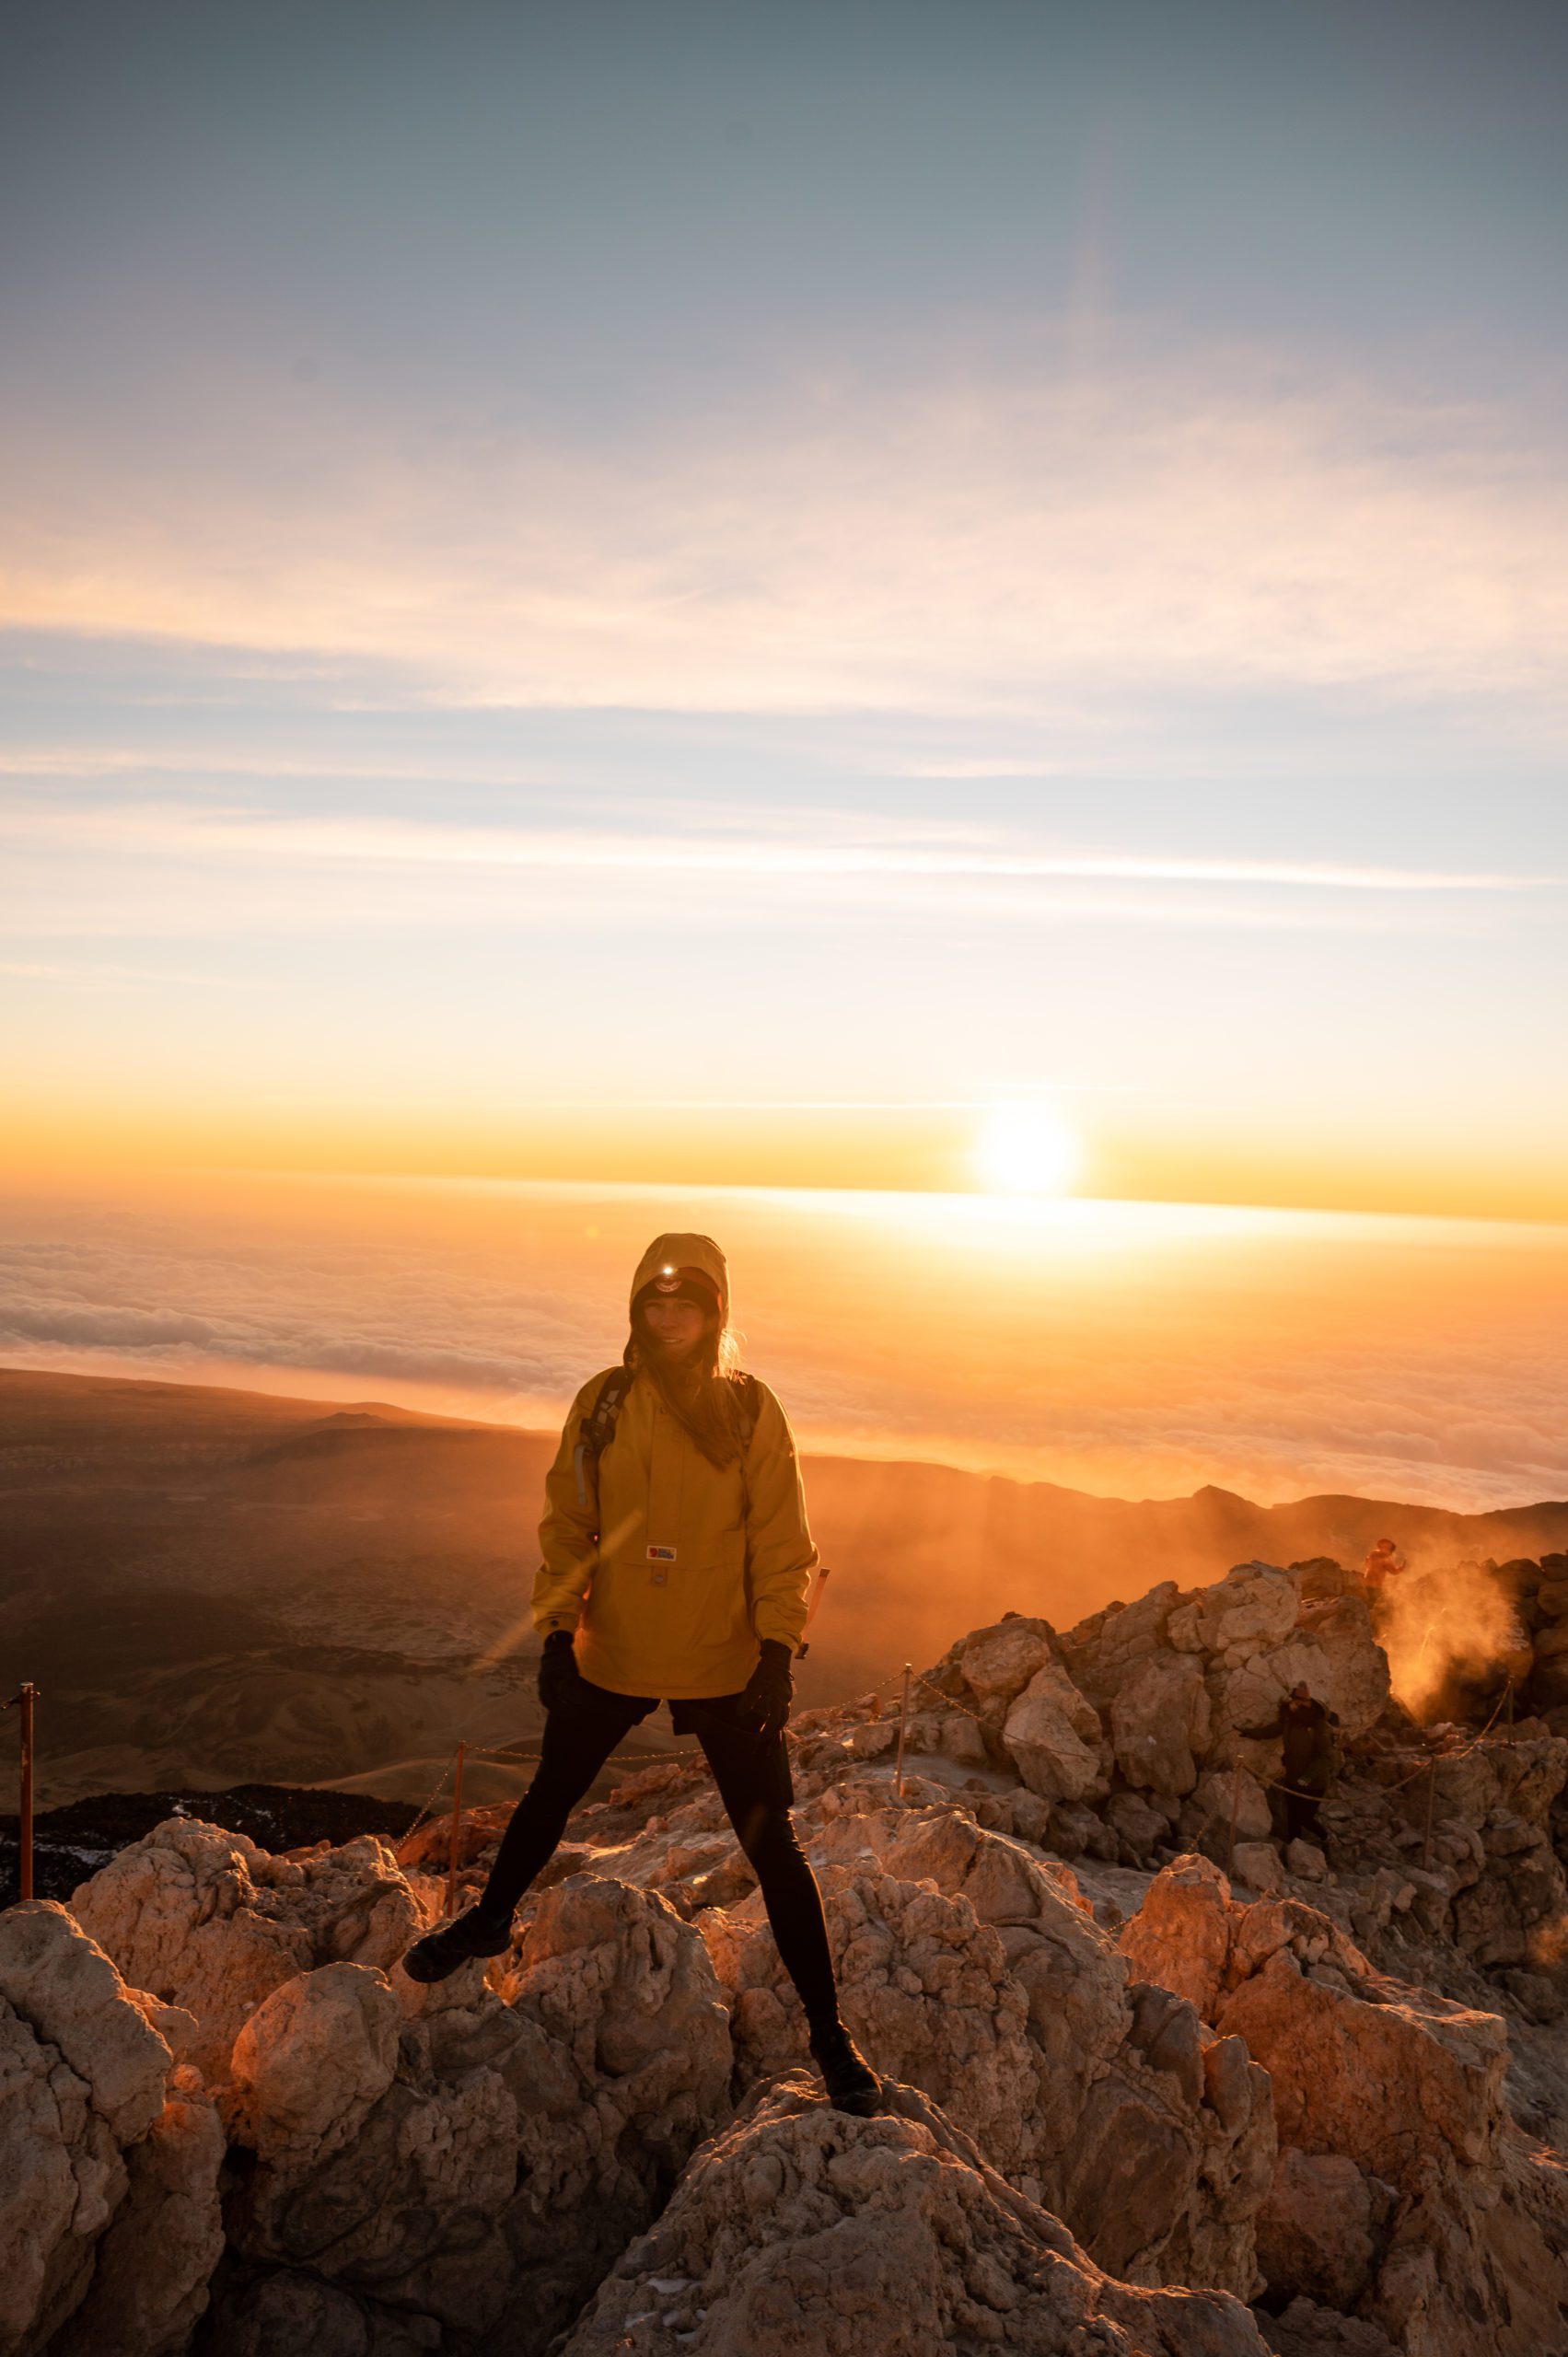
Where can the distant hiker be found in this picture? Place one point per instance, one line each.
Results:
(1310, 1757)
(676, 1560)
(1383, 1564)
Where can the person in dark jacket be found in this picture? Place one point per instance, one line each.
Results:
(1305, 1727)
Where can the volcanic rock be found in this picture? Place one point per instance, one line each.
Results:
(208, 1922)
(803, 2233)
(109, 2224)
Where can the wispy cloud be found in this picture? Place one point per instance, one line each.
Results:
(990, 547)
(765, 850)
(115, 977)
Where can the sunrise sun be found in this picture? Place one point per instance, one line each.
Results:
(1026, 1150)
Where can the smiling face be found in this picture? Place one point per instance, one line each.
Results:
(676, 1326)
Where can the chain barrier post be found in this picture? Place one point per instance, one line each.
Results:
(456, 1832)
(1234, 1813)
(903, 1730)
(27, 1698)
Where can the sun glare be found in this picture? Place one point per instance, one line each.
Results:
(1026, 1150)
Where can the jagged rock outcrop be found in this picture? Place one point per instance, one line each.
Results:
(972, 1972)
(153, 2266)
(209, 1921)
(1122, 2096)
(1403, 2192)
(439, 2154)
(800, 2231)
(109, 2156)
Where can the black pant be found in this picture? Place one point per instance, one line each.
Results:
(1301, 1811)
(754, 1784)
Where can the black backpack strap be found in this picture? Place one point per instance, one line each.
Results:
(598, 1424)
(598, 1430)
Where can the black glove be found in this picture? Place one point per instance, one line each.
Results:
(770, 1690)
(559, 1677)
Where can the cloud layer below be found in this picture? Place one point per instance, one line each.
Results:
(1128, 1350)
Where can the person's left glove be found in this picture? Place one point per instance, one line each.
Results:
(559, 1677)
(764, 1704)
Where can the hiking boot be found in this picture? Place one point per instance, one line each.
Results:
(473, 1932)
(850, 2081)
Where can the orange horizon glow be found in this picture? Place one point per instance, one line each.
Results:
(1126, 1350)
(1155, 1155)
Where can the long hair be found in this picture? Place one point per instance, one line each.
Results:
(703, 1393)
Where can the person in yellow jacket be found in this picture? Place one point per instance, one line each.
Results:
(677, 1562)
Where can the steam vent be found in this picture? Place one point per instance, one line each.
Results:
(1157, 2079)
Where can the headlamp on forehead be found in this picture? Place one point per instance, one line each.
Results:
(684, 1284)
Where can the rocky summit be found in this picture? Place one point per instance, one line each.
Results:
(1156, 2081)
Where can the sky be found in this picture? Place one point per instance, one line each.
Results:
(682, 594)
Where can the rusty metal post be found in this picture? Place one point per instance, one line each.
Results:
(27, 1698)
(903, 1729)
(1430, 1805)
(456, 1832)
(1234, 1813)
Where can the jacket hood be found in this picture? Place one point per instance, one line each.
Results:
(677, 1251)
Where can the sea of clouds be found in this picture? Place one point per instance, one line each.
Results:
(1432, 1375)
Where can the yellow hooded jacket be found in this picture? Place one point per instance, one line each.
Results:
(669, 1577)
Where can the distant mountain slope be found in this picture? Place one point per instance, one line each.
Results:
(215, 1586)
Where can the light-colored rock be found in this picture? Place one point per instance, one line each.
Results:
(1436, 2068)
(801, 2233)
(1407, 2087)
(1069, 1972)
(1254, 1607)
(1258, 1864)
(1357, 1681)
(1181, 1937)
(1160, 1722)
(1103, 1652)
(154, 2265)
(480, 2150)
(960, 1740)
(1139, 1827)
(618, 1994)
(425, 2167)
(925, 1987)
(206, 1920)
(1006, 2004)
(310, 2063)
(72, 1997)
(614, 1976)
(61, 2178)
(1052, 1736)
(84, 2126)
(1218, 1795)
(996, 1664)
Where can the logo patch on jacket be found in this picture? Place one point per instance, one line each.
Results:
(661, 1554)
